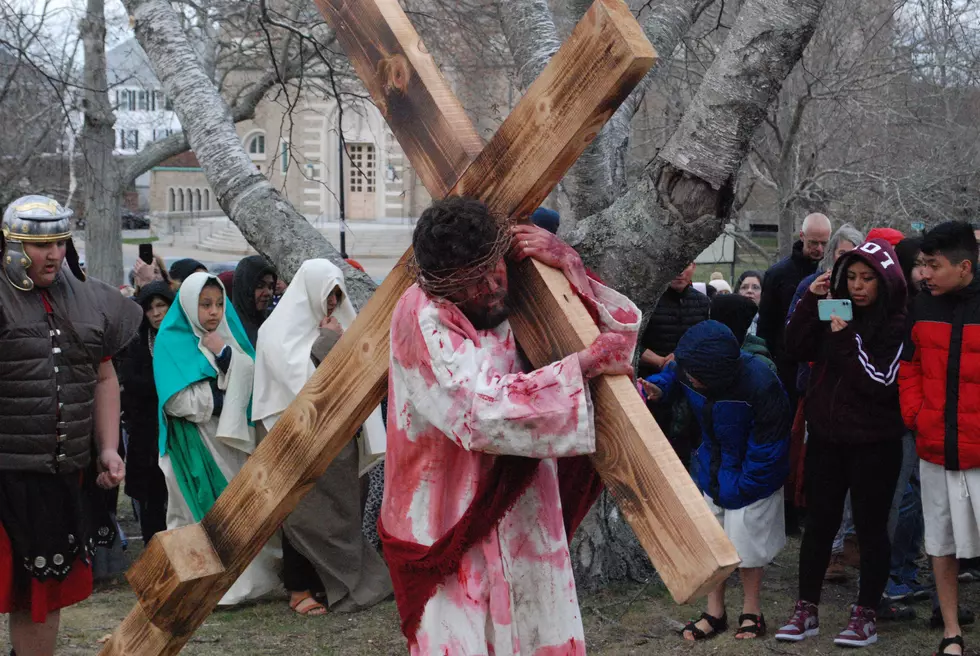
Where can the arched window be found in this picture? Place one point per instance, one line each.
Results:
(255, 144)
(171, 200)
(180, 200)
(197, 200)
(189, 195)
(207, 199)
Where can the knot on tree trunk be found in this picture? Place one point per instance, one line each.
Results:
(689, 198)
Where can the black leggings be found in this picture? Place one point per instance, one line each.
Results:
(298, 574)
(870, 472)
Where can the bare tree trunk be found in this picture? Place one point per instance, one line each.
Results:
(681, 205)
(266, 219)
(599, 175)
(787, 226)
(103, 236)
(107, 176)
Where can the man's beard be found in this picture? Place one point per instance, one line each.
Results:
(487, 317)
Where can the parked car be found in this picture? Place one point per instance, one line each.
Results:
(134, 220)
(128, 220)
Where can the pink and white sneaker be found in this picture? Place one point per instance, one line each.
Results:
(861, 630)
(804, 623)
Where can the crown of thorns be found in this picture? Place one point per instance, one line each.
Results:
(443, 283)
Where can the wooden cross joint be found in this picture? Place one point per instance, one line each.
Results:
(604, 58)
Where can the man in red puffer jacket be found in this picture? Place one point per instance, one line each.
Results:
(939, 385)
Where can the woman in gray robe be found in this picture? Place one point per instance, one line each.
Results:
(326, 556)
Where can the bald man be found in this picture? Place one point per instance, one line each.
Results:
(778, 288)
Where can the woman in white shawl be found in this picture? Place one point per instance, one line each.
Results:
(326, 555)
(203, 369)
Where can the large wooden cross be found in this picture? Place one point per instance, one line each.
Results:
(183, 573)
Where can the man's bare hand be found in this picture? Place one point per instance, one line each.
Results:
(112, 469)
(539, 244)
(609, 355)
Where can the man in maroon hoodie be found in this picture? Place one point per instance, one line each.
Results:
(855, 427)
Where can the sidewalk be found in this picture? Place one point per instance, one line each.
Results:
(377, 267)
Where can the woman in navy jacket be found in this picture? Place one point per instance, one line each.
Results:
(855, 428)
(744, 457)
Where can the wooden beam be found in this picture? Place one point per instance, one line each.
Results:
(406, 85)
(318, 424)
(175, 561)
(605, 57)
(654, 491)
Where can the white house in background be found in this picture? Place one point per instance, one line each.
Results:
(143, 112)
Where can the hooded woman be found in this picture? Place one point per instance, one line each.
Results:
(182, 269)
(254, 285)
(325, 552)
(145, 482)
(855, 428)
(203, 366)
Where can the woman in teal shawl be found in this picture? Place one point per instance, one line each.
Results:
(203, 367)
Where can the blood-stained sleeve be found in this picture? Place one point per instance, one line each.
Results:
(546, 413)
(614, 313)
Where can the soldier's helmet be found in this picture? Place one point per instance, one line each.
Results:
(34, 219)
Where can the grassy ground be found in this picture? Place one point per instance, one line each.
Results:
(140, 240)
(621, 620)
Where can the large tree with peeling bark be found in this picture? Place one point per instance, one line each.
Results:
(636, 234)
(280, 59)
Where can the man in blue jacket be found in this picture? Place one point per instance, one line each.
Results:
(744, 458)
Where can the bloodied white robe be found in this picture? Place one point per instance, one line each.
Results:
(458, 398)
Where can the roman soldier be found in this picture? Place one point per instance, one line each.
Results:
(59, 420)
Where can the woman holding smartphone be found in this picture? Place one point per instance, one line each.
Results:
(855, 426)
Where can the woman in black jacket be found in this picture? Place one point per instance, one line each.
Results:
(144, 480)
(855, 427)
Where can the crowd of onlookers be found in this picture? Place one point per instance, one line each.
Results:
(837, 393)
(209, 373)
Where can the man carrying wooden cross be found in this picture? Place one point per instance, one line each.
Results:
(487, 471)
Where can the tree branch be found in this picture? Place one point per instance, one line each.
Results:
(154, 153)
(266, 219)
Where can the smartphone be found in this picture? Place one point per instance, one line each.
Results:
(146, 253)
(840, 307)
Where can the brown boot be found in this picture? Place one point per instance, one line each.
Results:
(836, 572)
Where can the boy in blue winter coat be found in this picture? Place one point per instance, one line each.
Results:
(745, 423)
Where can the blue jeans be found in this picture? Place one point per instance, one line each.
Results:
(905, 522)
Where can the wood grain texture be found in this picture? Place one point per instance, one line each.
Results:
(343, 391)
(406, 85)
(652, 488)
(607, 54)
(173, 562)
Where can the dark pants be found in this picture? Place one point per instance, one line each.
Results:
(869, 471)
(153, 517)
(298, 574)
(905, 523)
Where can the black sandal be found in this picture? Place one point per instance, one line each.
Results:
(948, 642)
(718, 625)
(757, 628)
